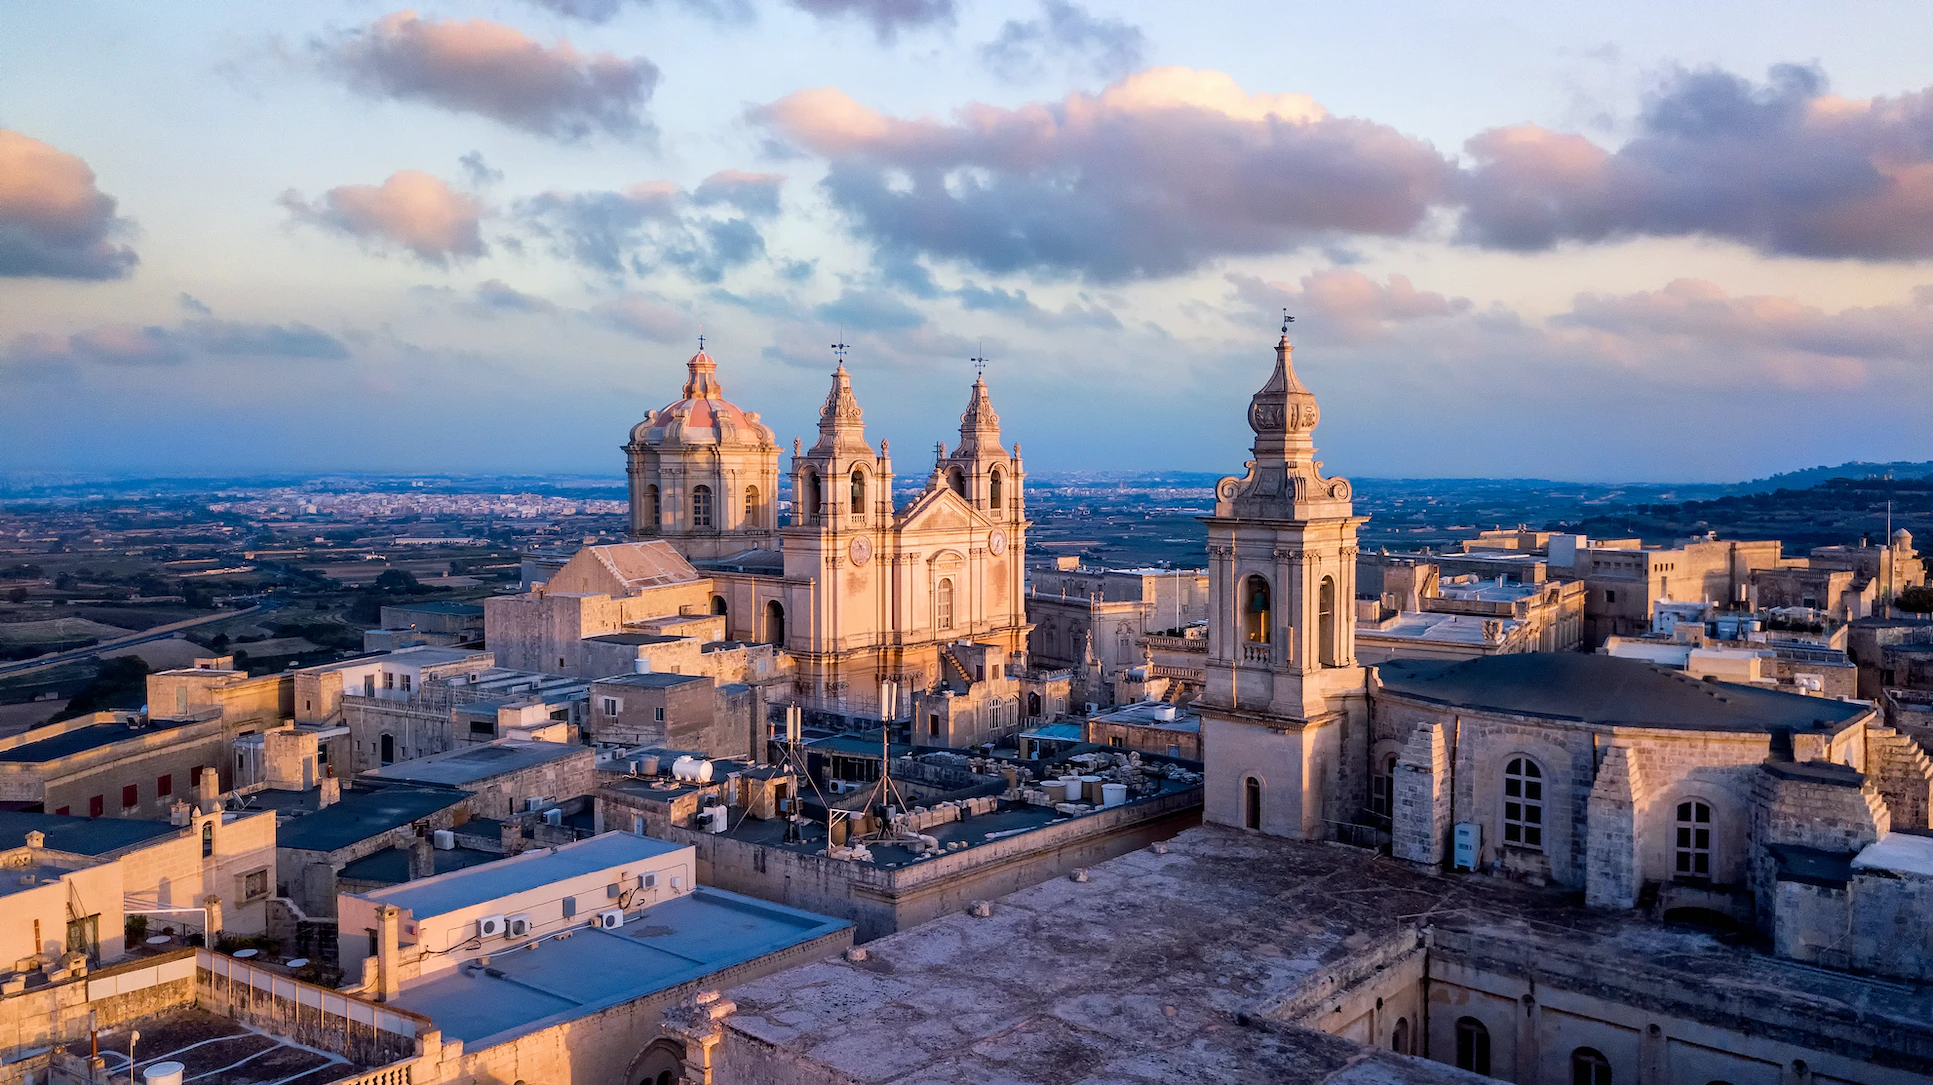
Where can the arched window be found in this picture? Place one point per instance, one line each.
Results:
(1693, 844)
(1255, 610)
(1399, 1038)
(718, 605)
(752, 510)
(1382, 789)
(813, 496)
(1523, 803)
(774, 623)
(1033, 705)
(996, 493)
(1251, 803)
(207, 838)
(656, 513)
(858, 492)
(387, 748)
(1472, 1045)
(701, 506)
(1326, 623)
(1590, 1067)
(943, 605)
(956, 479)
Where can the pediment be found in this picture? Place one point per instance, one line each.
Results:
(941, 510)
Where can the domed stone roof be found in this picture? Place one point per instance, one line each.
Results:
(702, 417)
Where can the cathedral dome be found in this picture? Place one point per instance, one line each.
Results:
(702, 417)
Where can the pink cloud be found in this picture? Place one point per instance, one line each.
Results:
(411, 209)
(54, 222)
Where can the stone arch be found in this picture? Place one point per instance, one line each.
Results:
(1257, 605)
(754, 512)
(701, 506)
(956, 481)
(653, 506)
(1252, 812)
(719, 606)
(1727, 794)
(774, 623)
(662, 1061)
(996, 490)
(810, 499)
(858, 490)
(1328, 652)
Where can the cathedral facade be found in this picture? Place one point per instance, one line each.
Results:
(857, 589)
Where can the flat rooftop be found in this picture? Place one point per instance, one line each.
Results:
(1150, 714)
(82, 836)
(654, 680)
(1428, 625)
(360, 814)
(1609, 691)
(470, 764)
(1194, 966)
(466, 610)
(390, 866)
(216, 1050)
(531, 870)
(634, 638)
(589, 969)
(422, 655)
(82, 739)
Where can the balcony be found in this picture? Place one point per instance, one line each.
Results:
(1255, 653)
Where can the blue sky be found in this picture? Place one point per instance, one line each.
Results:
(1595, 242)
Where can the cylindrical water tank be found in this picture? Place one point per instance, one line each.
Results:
(648, 764)
(1071, 787)
(692, 769)
(163, 1073)
(1113, 794)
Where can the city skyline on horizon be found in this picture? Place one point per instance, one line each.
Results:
(482, 238)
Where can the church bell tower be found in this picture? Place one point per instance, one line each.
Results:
(1285, 702)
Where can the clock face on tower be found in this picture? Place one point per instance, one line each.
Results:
(861, 550)
(997, 541)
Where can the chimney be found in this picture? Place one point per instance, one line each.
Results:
(422, 858)
(213, 904)
(513, 838)
(329, 793)
(388, 923)
(36, 838)
(208, 790)
(180, 814)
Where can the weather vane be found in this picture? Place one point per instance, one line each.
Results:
(979, 361)
(1286, 320)
(840, 348)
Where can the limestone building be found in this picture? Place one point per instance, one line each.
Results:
(856, 589)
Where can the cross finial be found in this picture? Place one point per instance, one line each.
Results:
(840, 348)
(1286, 320)
(701, 342)
(979, 365)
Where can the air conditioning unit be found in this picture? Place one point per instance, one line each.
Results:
(490, 926)
(1468, 844)
(443, 840)
(518, 926)
(532, 805)
(553, 816)
(610, 920)
(648, 881)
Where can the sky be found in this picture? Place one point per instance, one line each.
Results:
(1602, 242)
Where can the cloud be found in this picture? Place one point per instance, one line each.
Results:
(1111, 48)
(645, 316)
(869, 311)
(496, 71)
(1341, 305)
(653, 225)
(1155, 175)
(752, 193)
(1782, 167)
(479, 171)
(134, 345)
(53, 221)
(411, 209)
(497, 296)
(1016, 305)
(886, 17)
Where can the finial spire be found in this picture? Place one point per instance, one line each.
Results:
(840, 348)
(1286, 320)
(979, 361)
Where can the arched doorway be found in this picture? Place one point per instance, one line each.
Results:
(718, 605)
(774, 623)
(1033, 706)
(1251, 803)
(662, 1063)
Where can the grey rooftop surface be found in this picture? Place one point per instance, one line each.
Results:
(470, 764)
(82, 739)
(360, 814)
(82, 836)
(634, 638)
(1197, 964)
(654, 680)
(1148, 714)
(589, 969)
(439, 606)
(422, 655)
(445, 893)
(1610, 691)
(390, 866)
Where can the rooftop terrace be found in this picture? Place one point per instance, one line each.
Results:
(446, 893)
(360, 813)
(469, 764)
(588, 969)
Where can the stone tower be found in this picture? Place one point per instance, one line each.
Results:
(703, 473)
(979, 469)
(1286, 708)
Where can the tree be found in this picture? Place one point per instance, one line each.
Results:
(1917, 599)
(122, 682)
(17, 595)
(199, 598)
(398, 582)
(64, 582)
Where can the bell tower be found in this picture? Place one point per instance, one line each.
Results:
(979, 468)
(1285, 702)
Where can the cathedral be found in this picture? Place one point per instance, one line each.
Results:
(857, 589)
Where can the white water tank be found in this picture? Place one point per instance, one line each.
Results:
(1071, 788)
(692, 770)
(641, 666)
(1166, 713)
(1114, 794)
(443, 840)
(163, 1073)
